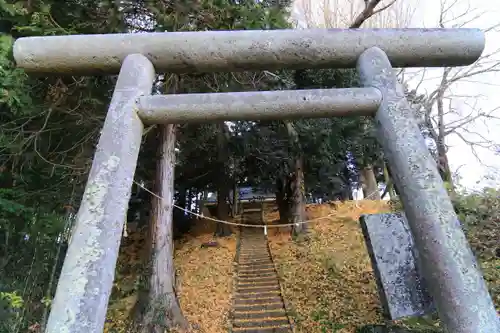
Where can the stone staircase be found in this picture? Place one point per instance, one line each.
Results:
(257, 302)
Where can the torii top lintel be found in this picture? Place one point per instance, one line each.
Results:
(224, 51)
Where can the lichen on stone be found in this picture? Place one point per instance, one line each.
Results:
(89, 249)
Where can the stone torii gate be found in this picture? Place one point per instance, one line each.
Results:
(448, 265)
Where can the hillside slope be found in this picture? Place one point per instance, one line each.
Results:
(326, 277)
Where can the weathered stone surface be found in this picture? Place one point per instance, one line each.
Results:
(277, 322)
(390, 244)
(258, 105)
(84, 287)
(230, 51)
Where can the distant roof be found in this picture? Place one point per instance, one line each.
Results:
(245, 193)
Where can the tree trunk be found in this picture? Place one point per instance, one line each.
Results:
(196, 201)
(370, 186)
(204, 196)
(164, 312)
(442, 158)
(282, 200)
(222, 229)
(347, 189)
(182, 197)
(444, 165)
(298, 205)
(297, 202)
(235, 199)
(189, 199)
(388, 183)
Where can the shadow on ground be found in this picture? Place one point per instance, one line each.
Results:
(394, 329)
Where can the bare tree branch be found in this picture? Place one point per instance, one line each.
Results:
(368, 12)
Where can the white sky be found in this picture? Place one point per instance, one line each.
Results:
(483, 88)
(472, 172)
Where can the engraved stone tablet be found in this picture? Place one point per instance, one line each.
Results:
(394, 259)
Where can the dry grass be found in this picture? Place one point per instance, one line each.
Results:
(327, 279)
(205, 277)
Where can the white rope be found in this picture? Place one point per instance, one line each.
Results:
(234, 223)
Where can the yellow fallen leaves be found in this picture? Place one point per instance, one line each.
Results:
(124, 296)
(327, 279)
(205, 277)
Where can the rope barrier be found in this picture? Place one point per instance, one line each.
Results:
(240, 224)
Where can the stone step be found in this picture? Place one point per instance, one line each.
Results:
(255, 269)
(245, 273)
(258, 289)
(256, 273)
(254, 261)
(256, 265)
(254, 257)
(254, 293)
(257, 303)
(258, 284)
(256, 233)
(254, 240)
(261, 307)
(258, 280)
(259, 276)
(280, 321)
(272, 329)
(279, 313)
(263, 300)
(251, 250)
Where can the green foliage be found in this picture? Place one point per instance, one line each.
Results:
(48, 129)
(12, 81)
(335, 147)
(479, 209)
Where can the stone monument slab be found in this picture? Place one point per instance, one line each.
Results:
(402, 290)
